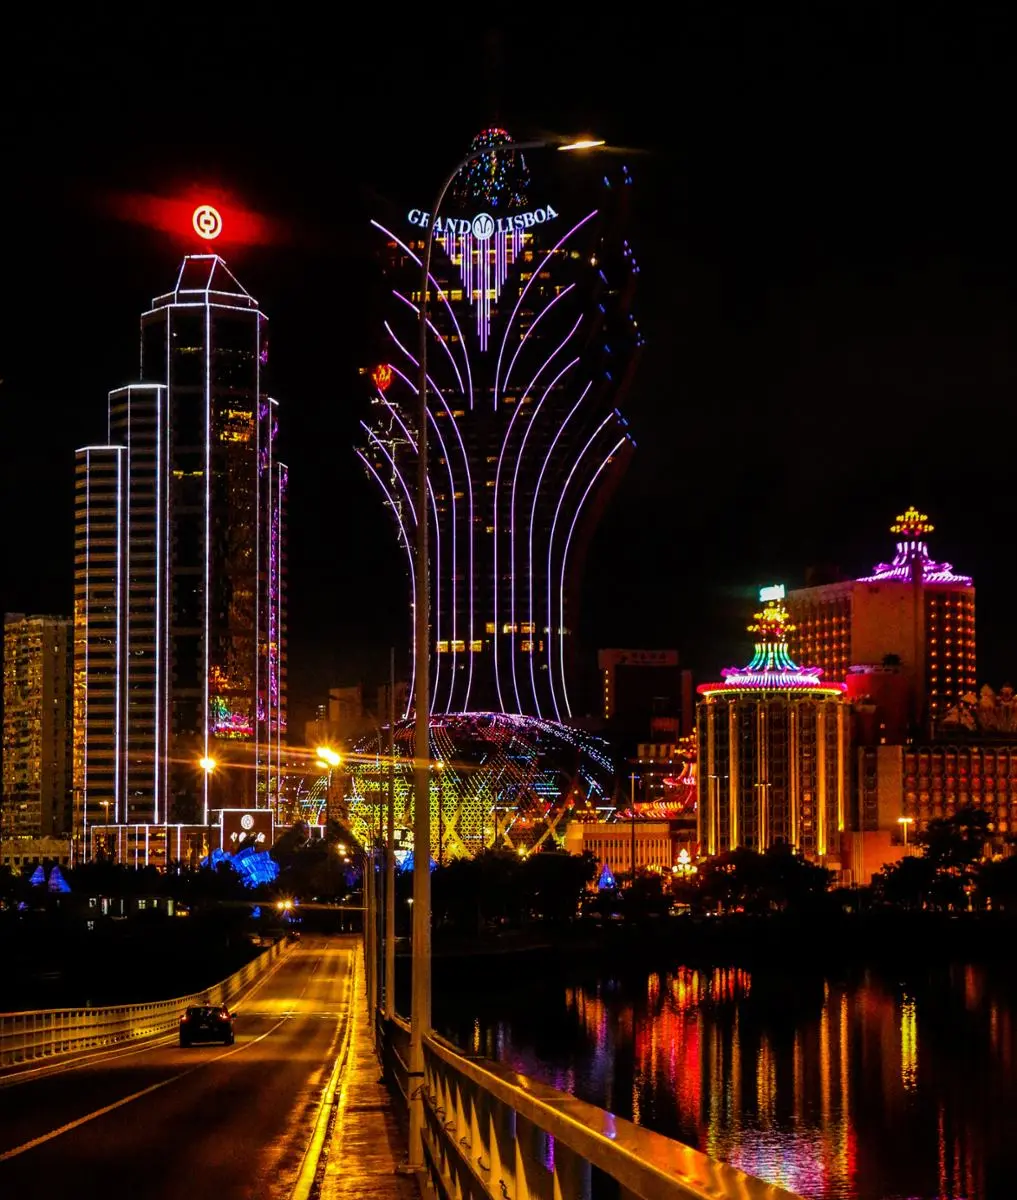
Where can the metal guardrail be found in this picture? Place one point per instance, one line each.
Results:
(490, 1132)
(27, 1036)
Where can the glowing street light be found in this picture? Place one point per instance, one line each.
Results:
(208, 765)
(904, 822)
(330, 757)
(583, 144)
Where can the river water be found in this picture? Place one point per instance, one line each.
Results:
(867, 1086)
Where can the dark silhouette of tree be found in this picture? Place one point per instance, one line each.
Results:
(958, 841)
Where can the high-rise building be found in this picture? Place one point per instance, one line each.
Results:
(645, 695)
(913, 612)
(773, 751)
(531, 344)
(37, 796)
(180, 571)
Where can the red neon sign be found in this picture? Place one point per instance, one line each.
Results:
(381, 377)
(206, 221)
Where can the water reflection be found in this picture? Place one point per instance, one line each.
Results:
(863, 1088)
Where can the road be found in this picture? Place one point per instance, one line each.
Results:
(154, 1122)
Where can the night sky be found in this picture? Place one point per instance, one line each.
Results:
(824, 221)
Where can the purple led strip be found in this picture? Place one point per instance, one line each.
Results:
(911, 553)
(512, 509)
(564, 562)
(522, 295)
(437, 336)
(442, 297)
(437, 549)
(497, 484)
(550, 550)
(540, 316)
(409, 558)
(469, 484)
(533, 515)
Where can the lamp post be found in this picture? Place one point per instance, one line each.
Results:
(904, 822)
(420, 1000)
(208, 765)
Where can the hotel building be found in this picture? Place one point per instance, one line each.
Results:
(914, 611)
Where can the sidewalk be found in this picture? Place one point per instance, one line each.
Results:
(367, 1142)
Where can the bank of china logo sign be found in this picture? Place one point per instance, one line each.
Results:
(483, 226)
(247, 821)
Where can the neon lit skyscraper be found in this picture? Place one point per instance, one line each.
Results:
(532, 343)
(180, 574)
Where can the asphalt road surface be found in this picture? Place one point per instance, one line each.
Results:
(154, 1122)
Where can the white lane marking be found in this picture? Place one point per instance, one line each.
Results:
(101, 1112)
(144, 1046)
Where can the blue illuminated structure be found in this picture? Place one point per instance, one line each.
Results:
(57, 884)
(606, 882)
(531, 345)
(254, 867)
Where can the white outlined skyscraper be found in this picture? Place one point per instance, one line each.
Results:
(180, 602)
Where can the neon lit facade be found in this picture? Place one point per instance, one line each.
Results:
(773, 752)
(507, 782)
(180, 604)
(37, 727)
(918, 610)
(531, 343)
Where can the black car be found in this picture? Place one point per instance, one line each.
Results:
(207, 1023)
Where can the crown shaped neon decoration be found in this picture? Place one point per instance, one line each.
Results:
(772, 668)
(912, 560)
(912, 524)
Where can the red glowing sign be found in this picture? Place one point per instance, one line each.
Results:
(206, 221)
(381, 377)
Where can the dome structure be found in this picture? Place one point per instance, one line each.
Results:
(497, 181)
(498, 781)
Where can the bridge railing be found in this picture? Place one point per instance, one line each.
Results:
(27, 1036)
(490, 1132)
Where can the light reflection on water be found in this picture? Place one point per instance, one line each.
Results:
(862, 1088)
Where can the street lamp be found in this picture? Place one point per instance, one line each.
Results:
(904, 822)
(208, 765)
(420, 998)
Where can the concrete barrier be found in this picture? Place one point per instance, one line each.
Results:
(28, 1036)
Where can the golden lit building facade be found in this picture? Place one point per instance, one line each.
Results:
(913, 609)
(37, 783)
(773, 751)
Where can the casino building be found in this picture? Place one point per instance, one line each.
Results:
(532, 344)
(774, 744)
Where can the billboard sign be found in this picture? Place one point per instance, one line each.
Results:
(243, 827)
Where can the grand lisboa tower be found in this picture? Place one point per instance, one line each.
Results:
(532, 342)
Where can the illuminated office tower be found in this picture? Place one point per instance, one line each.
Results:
(36, 799)
(773, 751)
(914, 609)
(530, 346)
(180, 607)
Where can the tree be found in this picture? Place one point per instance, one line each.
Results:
(553, 882)
(958, 841)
